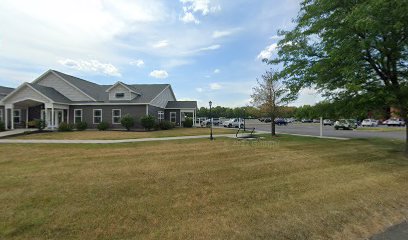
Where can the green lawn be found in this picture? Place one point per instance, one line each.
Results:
(286, 188)
(109, 135)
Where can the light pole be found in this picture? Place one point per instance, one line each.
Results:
(211, 135)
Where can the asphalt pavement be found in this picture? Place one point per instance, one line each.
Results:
(314, 130)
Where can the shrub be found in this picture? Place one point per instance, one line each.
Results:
(102, 126)
(147, 122)
(188, 123)
(81, 126)
(40, 124)
(31, 124)
(2, 127)
(65, 127)
(164, 125)
(127, 122)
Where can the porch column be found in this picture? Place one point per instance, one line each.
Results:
(26, 122)
(52, 118)
(68, 115)
(12, 117)
(5, 118)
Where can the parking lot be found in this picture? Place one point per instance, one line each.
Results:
(314, 129)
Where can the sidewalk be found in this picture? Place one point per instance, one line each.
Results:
(396, 232)
(10, 133)
(110, 141)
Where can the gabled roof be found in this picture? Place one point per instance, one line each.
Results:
(181, 104)
(4, 91)
(51, 93)
(89, 88)
(128, 87)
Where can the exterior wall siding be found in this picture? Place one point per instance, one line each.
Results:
(136, 111)
(162, 99)
(26, 93)
(167, 115)
(50, 80)
(2, 114)
(153, 111)
(120, 89)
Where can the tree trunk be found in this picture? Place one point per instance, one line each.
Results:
(404, 116)
(273, 130)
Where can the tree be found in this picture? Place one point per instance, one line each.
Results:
(127, 122)
(270, 95)
(349, 48)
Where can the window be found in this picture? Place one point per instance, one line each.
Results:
(1, 115)
(116, 115)
(173, 117)
(160, 115)
(17, 116)
(77, 115)
(120, 95)
(97, 116)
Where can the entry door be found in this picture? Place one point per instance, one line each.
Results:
(59, 117)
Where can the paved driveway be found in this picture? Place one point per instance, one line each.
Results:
(314, 129)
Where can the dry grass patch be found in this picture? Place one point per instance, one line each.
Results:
(111, 135)
(288, 188)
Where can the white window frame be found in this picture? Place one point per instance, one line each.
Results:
(75, 116)
(160, 115)
(1, 115)
(19, 115)
(93, 118)
(175, 117)
(113, 116)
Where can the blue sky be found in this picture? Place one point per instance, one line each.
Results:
(207, 49)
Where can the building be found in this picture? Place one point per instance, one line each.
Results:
(58, 97)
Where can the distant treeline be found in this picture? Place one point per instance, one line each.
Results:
(325, 109)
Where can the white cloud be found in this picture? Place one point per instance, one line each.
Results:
(159, 74)
(91, 66)
(189, 17)
(197, 6)
(217, 71)
(161, 44)
(138, 62)
(199, 90)
(267, 52)
(219, 34)
(212, 47)
(215, 86)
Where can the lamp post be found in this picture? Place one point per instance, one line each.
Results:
(211, 133)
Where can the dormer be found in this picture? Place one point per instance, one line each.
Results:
(120, 91)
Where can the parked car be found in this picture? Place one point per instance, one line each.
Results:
(234, 122)
(267, 120)
(395, 122)
(369, 123)
(215, 121)
(305, 120)
(280, 121)
(327, 122)
(345, 124)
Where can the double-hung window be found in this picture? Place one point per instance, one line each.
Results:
(1, 115)
(17, 116)
(77, 115)
(116, 116)
(173, 117)
(97, 116)
(160, 116)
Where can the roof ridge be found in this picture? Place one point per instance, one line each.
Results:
(76, 78)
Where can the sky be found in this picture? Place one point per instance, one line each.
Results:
(206, 49)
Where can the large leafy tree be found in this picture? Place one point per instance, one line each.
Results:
(353, 48)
